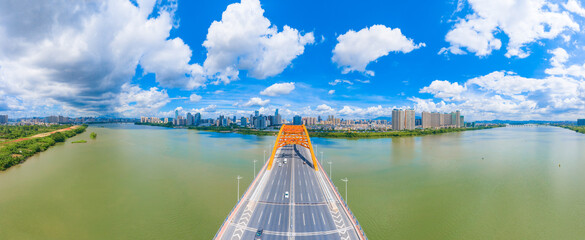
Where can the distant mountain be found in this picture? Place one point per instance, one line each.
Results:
(512, 122)
(383, 118)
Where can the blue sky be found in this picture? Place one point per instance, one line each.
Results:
(495, 59)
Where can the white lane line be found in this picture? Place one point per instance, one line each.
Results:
(313, 218)
(304, 219)
(323, 218)
(280, 214)
(260, 216)
(269, 217)
(301, 196)
(309, 195)
(274, 197)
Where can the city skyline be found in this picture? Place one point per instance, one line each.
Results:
(232, 58)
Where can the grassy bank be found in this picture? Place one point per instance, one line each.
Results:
(17, 152)
(9, 132)
(579, 129)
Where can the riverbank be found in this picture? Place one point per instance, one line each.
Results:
(17, 151)
(331, 134)
(579, 129)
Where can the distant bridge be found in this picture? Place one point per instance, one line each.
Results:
(525, 125)
(291, 197)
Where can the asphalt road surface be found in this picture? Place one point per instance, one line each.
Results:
(311, 210)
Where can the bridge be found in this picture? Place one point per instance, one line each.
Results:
(291, 197)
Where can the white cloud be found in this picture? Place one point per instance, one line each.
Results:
(575, 7)
(369, 112)
(505, 95)
(278, 89)
(444, 89)
(523, 21)
(363, 81)
(558, 62)
(133, 101)
(80, 54)
(194, 98)
(245, 40)
(256, 102)
(324, 108)
(355, 50)
(338, 81)
(331, 92)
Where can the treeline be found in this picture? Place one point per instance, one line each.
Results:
(16, 152)
(13, 132)
(404, 133)
(236, 129)
(169, 124)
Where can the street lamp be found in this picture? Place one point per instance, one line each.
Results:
(264, 156)
(345, 180)
(321, 156)
(238, 177)
(330, 173)
(255, 167)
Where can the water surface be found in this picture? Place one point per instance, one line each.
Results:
(140, 182)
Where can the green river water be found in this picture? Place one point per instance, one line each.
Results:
(141, 182)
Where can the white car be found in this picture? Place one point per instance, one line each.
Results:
(286, 194)
(280, 164)
(285, 160)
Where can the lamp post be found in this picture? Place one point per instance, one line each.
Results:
(264, 156)
(330, 173)
(238, 177)
(255, 167)
(321, 156)
(345, 180)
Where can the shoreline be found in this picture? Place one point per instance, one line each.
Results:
(329, 134)
(19, 150)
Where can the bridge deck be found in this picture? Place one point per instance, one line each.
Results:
(312, 211)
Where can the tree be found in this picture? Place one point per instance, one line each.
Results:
(58, 137)
(93, 135)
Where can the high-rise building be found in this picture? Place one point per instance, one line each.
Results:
(426, 119)
(297, 120)
(243, 122)
(458, 122)
(197, 119)
(190, 119)
(256, 113)
(461, 122)
(398, 119)
(176, 114)
(580, 122)
(409, 119)
(3, 119)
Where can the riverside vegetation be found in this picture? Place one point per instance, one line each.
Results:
(579, 129)
(8, 132)
(331, 133)
(12, 153)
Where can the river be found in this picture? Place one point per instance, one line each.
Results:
(142, 182)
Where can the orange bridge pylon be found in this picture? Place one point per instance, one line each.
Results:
(293, 134)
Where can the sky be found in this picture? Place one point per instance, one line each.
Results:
(491, 59)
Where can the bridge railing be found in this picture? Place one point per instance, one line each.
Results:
(363, 233)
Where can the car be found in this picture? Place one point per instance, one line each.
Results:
(286, 194)
(284, 160)
(259, 234)
(304, 162)
(280, 164)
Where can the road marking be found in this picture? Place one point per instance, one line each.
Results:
(304, 219)
(269, 217)
(313, 217)
(323, 218)
(260, 216)
(279, 218)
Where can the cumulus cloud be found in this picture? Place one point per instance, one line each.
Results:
(246, 40)
(194, 98)
(134, 101)
(355, 50)
(82, 54)
(558, 65)
(256, 102)
(507, 95)
(324, 108)
(331, 92)
(523, 21)
(368, 112)
(278, 89)
(575, 7)
(444, 89)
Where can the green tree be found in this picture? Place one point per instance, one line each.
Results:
(93, 135)
(58, 137)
